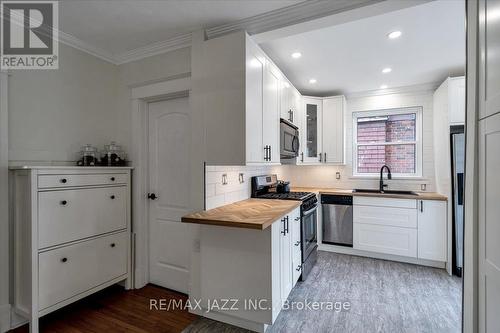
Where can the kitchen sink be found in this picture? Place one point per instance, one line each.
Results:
(362, 190)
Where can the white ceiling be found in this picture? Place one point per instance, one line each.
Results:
(117, 26)
(350, 57)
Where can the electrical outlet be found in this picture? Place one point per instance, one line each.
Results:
(224, 179)
(423, 187)
(241, 178)
(337, 175)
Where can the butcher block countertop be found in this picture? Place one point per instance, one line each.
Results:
(250, 213)
(419, 196)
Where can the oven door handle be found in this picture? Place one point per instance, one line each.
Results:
(310, 210)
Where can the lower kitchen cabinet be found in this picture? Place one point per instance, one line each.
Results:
(402, 227)
(432, 233)
(385, 239)
(249, 266)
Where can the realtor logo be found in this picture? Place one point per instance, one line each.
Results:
(29, 35)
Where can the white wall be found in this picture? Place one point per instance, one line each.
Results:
(324, 176)
(52, 113)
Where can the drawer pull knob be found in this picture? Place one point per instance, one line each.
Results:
(63, 180)
(297, 218)
(297, 243)
(112, 179)
(112, 197)
(298, 268)
(64, 203)
(64, 259)
(113, 245)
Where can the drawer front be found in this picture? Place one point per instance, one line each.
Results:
(385, 239)
(70, 215)
(385, 202)
(68, 271)
(53, 181)
(396, 217)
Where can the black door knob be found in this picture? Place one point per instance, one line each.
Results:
(152, 196)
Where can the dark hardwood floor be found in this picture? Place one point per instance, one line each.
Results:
(117, 310)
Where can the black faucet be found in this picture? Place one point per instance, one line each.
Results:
(389, 176)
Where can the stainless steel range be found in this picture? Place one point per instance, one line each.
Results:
(265, 187)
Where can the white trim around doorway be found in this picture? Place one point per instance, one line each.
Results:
(141, 96)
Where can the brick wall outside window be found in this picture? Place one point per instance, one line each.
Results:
(401, 158)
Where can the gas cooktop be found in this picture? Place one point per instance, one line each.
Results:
(287, 196)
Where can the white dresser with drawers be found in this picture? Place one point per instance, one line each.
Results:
(72, 235)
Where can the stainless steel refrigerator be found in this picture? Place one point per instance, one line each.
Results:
(457, 168)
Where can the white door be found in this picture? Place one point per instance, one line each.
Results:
(169, 149)
(489, 160)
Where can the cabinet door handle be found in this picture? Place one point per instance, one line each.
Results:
(63, 202)
(287, 230)
(324, 159)
(64, 259)
(299, 267)
(112, 197)
(302, 157)
(297, 218)
(421, 205)
(112, 179)
(270, 154)
(63, 180)
(297, 243)
(292, 115)
(320, 157)
(112, 244)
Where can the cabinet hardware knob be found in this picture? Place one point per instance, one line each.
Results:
(112, 244)
(112, 179)
(112, 197)
(297, 243)
(64, 259)
(297, 218)
(63, 180)
(64, 203)
(152, 196)
(298, 268)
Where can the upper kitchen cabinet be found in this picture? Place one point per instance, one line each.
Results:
(238, 88)
(290, 102)
(323, 130)
(449, 102)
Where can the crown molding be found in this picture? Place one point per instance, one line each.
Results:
(290, 15)
(79, 44)
(165, 46)
(417, 88)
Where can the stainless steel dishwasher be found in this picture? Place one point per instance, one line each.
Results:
(337, 219)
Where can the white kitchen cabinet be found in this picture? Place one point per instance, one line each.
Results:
(239, 86)
(323, 127)
(290, 102)
(333, 130)
(286, 263)
(312, 137)
(248, 265)
(432, 230)
(296, 246)
(270, 118)
(71, 235)
(456, 96)
(385, 239)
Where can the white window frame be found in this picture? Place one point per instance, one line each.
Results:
(389, 112)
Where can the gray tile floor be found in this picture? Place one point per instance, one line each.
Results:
(384, 296)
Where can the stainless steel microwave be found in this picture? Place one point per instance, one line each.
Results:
(289, 141)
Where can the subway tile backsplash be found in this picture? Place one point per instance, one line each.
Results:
(219, 194)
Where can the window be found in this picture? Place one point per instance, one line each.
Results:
(391, 137)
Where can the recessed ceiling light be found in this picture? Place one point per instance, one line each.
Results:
(384, 86)
(387, 70)
(394, 34)
(296, 55)
(312, 81)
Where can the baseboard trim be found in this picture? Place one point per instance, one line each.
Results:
(361, 253)
(5, 318)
